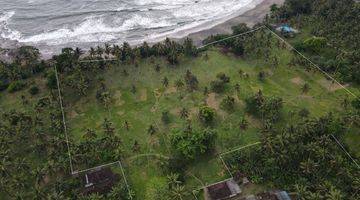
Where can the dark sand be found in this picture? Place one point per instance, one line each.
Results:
(250, 17)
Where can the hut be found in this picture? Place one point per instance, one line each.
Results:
(286, 29)
(99, 181)
(226, 189)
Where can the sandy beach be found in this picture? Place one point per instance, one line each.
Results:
(250, 17)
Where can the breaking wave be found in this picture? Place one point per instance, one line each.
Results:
(92, 22)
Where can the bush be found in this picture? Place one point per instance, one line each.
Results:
(268, 108)
(217, 86)
(206, 114)
(165, 117)
(222, 76)
(3, 85)
(16, 86)
(51, 80)
(190, 143)
(315, 44)
(34, 90)
(228, 103)
(356, 104)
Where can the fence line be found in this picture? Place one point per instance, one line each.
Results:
(239, 148)
(68, 145)
(63, 118)
(230, 37)
(220, 155)
(227, 168)
(312, 63)
(346, 152)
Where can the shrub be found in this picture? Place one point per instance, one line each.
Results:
(34, 90)
(165, 117)
(51, 80)
(356, 104)
(262, 76)
(190, 143)
(206, 114)
(16, 86)
(228, 103)
(217, 86)
(269, 108)
(3, 85)
(315, 44)
(222, 76)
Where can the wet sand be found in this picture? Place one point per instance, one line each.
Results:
(250, 17)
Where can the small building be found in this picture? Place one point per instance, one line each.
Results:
(99, 181)
(286, 29)
(222, 190)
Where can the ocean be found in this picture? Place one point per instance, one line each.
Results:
(52, 25)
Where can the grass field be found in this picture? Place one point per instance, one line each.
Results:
(144, 107)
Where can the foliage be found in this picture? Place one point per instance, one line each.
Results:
(315, 44)
(16, 86)
(298, 156)
(157, 189)
(206, 114)
(34, 90)
(218, 85)
(228, 103)
(51, 80)
(191, 143)
(165, 117)
(189, 48)
(356, 103)
(191, 81)
(268, 108)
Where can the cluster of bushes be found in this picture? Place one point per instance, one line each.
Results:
(268, 108)
(16, 86)
(190, 143)
(218, 85)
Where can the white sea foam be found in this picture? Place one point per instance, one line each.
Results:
(155, 19)
(93, 30)
(6, 32)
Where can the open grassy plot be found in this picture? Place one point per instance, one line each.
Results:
(139, 97)
(134, 113)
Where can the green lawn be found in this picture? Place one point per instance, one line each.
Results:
(144, 107)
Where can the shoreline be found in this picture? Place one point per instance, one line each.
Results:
(197, 34)
(250, 17)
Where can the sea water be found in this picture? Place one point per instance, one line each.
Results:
(54, 24)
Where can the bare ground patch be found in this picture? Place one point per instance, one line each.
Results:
(73, 114)
(175, 111)
(253, 121)
(193, 112)
(120, 113)
(117, 98)
(170, 90)
(330, 85)
(212, 102)
(298, 81)
(143, 95)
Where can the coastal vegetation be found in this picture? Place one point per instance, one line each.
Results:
(166, 111)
